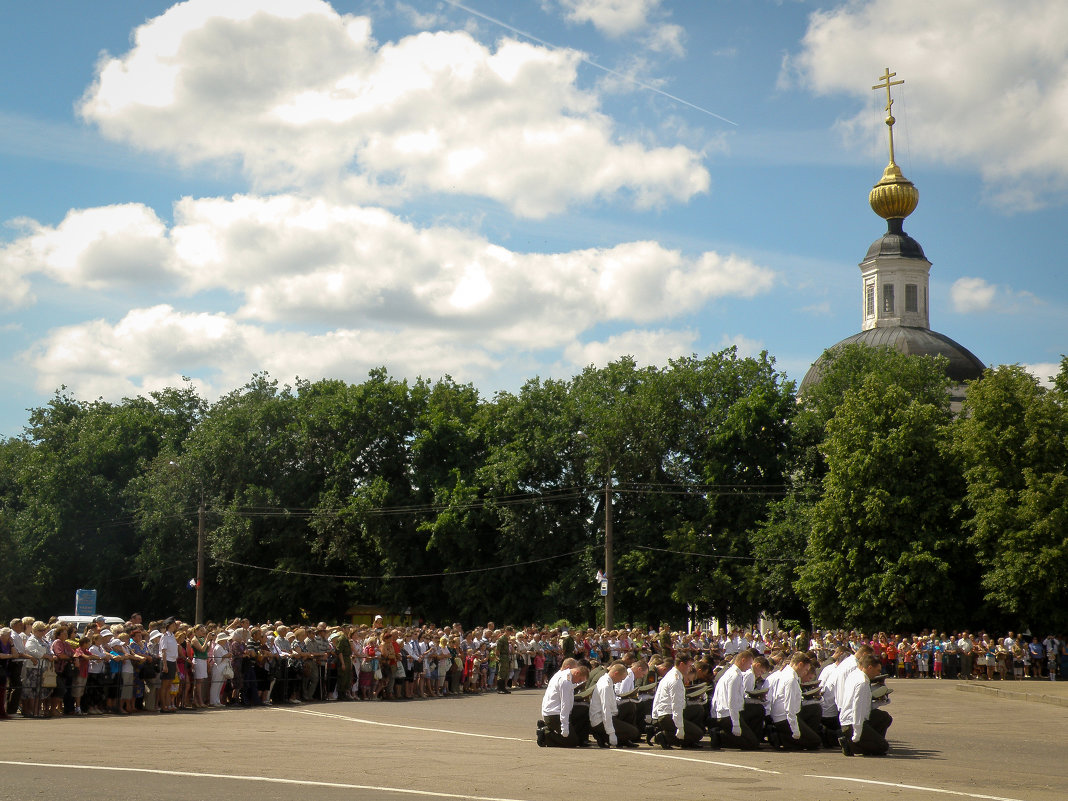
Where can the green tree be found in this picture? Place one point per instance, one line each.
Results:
(730, 443)
(1013, 441)
(884, 548)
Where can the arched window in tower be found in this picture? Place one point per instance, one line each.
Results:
(888, 298)
(911, 298)
(869, 299)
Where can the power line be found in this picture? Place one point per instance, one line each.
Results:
(717, 556)
(408, 576)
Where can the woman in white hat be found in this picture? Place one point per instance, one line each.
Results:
(219, 657)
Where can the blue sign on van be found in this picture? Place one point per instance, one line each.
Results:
(85, 602)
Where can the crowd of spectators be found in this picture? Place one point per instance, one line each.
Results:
(50, 668)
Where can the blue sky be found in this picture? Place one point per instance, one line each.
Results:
(497, 190)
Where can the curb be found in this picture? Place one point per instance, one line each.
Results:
(1012, 695)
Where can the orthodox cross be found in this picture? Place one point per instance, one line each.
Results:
(886, 83)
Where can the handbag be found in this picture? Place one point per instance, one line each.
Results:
(228, 671)
(48, 676)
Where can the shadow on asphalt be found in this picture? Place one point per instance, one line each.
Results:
(904, 752)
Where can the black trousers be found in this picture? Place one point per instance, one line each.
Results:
(746, 741)
(871, 741)
(554, 737)
(14, 686)
(693, 733)
(880, 720)
(753, 715)
(808, 740)
(697, 713)
(625, 732)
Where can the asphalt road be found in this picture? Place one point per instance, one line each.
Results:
(944, 743)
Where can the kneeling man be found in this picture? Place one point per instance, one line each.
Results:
(554, 728)
(607, 726)
(863, 730)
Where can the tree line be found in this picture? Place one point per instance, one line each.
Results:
(866, 503)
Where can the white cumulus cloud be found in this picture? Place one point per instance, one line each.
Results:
(379, 289)
(646, 346)
(1045, 372)
(972, 295)
(986, 83)
(152, 348)
(618, 18)
(107, 246)
(302, 96)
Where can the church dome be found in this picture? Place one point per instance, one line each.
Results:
(894, 243)
(895, 196)
(963, 364)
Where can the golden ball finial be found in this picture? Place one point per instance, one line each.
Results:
(894, 195)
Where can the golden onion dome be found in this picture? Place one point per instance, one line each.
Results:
(895, 196)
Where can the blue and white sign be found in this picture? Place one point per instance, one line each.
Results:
(604, 586)
(85, 602)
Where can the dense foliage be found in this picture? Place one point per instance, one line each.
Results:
(865, 504)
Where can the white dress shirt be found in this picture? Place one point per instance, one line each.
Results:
(857, 702)
(828, 679)
(845, 667)
(729, 697)
(670, 698)
(626, 684)
(786, 699)
(559, 698)
(603, 706)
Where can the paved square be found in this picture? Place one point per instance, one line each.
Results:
(944, 743)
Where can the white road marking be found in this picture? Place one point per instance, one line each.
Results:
(266, 779)
(660, 755)
(313, 713)
(911, 787)
(513, 739)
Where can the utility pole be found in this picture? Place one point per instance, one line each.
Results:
(609, 596)
(199, 617)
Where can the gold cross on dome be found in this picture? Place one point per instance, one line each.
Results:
(886, 83)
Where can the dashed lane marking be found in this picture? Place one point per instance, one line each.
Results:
(263, 779)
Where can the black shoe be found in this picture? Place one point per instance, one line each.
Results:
(541, 736)
(604, 744)
(847, 746)
(713, 739)
(650, 735)
(541, 724)
(661, 740)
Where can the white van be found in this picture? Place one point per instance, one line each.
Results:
(81, 622)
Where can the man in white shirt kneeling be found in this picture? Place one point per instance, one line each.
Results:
(605, 723)
(554, 728)
(862, 732)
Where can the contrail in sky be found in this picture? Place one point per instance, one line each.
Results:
(592, 63)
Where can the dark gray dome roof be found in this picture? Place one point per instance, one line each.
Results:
(963, 364)
(895, 242)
